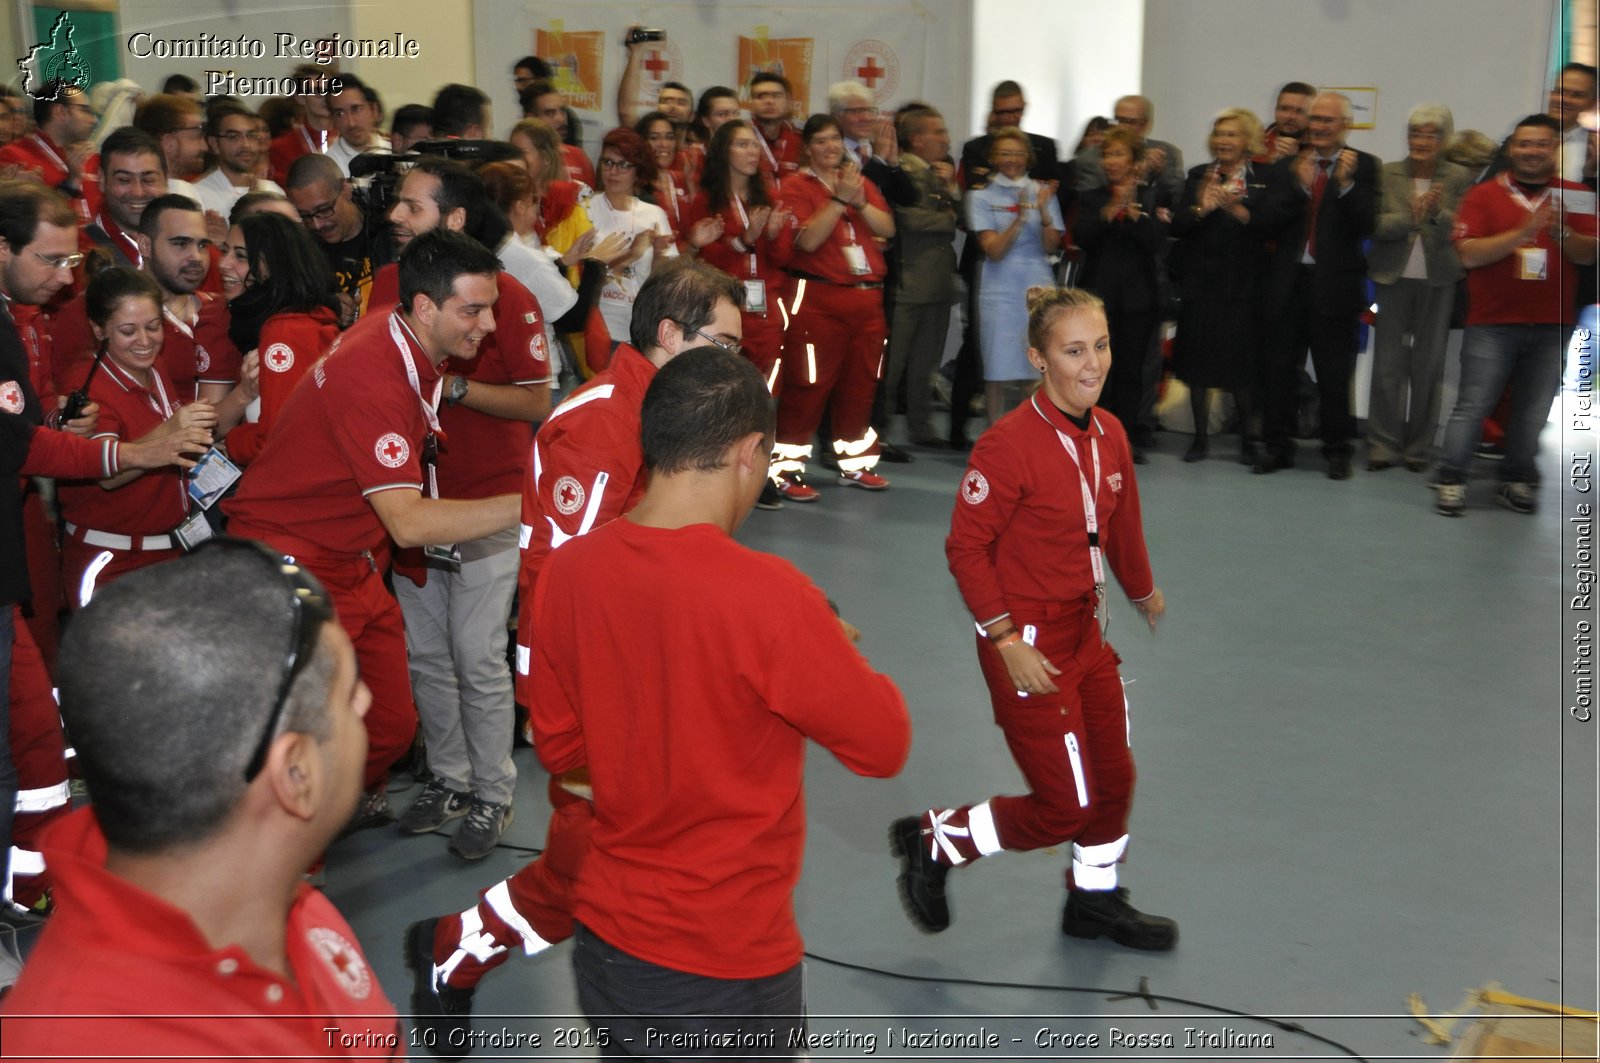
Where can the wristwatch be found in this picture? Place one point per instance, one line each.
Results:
(458, 390)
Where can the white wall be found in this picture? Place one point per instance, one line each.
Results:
(187, 19)
(1073, 59)
(1484, 59)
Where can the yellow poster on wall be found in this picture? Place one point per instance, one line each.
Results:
(577, 58)
(788, 56)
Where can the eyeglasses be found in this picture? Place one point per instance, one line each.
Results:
(190, 129)
(860, 112)
(309, 607)
(607, 163)
(731, 346)
(322, 213)
(72, 261)
(1008, 112)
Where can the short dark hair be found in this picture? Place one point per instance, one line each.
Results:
(281, 113)
(909, 121)
(168, 678)
(1003, 90)
(818, 123)
(540, 68)
(26, 203)
(1578, 68)
(350, 81)
(217, 110)
(682, 290)
(179, 83)
(111, 286)
(163, 114)
(1297, 88)
(676, 85)
(459, 187)
(700, 404)
(126, 140)
(297, 277)
(409, 117)
(1542, 121)
(313, 168)
(150, 220)
(431, 262)
(456, 107)
(764, 76)
(50, 97)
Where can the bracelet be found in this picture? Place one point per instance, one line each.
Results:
(1011, 638)
(1000, 635)
(836, 199)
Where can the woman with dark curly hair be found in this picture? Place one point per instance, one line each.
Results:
(671, 190)
(286, 313)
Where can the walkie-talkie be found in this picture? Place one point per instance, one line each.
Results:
(78, 401)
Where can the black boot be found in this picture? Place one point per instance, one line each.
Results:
(921, 877)
(1092, 913)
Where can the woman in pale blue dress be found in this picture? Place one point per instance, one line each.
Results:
(1017, 223)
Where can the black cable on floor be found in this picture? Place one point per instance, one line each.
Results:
(1143, 993)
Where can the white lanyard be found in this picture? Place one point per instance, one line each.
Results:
(766, 149)
(744, 220)
(311, 145)
(155, 395)
(178, 322)
(1091, 519)
(397, 331)
(133, 245)
(1516, 194)
(48, 150)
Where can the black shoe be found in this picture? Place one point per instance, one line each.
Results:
(1339, 467)
(1378, 465)
(443, 1011)
(1249, 453)
(1139, 456)
(1092, 913)
(960, 442)
(921, 877)
(1269, 462)
(770, 498)
(1197, 451)
(891, 453)
(828, 460)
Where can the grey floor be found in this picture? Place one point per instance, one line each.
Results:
(1349, 733)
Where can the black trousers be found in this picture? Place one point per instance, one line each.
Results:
(1331, 339)
(654, 1012)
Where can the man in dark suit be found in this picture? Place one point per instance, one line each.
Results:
(1006, 108)
(1320, 205)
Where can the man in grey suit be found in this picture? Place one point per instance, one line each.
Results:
(1415, 268)
(1163, 162)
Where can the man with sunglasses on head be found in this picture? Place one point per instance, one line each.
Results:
(348, 470)
(221, 759)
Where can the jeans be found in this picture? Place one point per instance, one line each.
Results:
(656, 1012)
(1529, 356)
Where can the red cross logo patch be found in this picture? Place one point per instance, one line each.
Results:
(347, 965)
(974, 488)
(202, 358)
(392, 450)
(279, 357)
(11, 399)
(1114, 481)
(568, 495)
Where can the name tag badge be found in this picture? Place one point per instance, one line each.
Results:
(855, 258)
(1534, 263)
(211, 478)
(194, 531)
(755, 297)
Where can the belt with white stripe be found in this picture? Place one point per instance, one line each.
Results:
(112, 541)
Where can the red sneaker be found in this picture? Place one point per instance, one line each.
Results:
(793, 487)
(865, 479)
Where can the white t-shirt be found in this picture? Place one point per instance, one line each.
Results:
(341, 152)
(622, 285)
(219, 194)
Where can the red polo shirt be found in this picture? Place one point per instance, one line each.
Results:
(1497, 292)
(805, 194)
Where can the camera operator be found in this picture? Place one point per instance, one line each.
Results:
(355, 241)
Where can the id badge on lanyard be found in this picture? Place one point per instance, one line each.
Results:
(855, 256)
(755, 289)
(1533, 263)
(1091, 520)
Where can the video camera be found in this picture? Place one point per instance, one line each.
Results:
(386, 170)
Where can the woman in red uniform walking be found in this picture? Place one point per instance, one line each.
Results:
(833, 348)
(125, 523)
(1047, 507)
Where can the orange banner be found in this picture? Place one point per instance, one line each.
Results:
(578, 59)
(789, 56)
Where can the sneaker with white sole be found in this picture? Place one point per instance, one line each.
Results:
(1451, 500)
(480, 833)
(865, 479)
(434, 807)
(373, 811)
(770, 498)
(793, 487)
(1517, 497)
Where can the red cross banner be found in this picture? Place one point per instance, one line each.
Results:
(875, 65)
(662, 62)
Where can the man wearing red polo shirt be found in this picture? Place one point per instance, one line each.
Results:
(349, 469)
